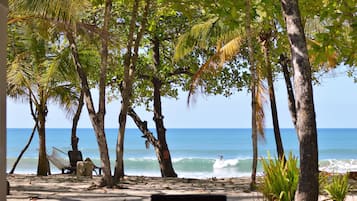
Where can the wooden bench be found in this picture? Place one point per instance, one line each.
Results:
(188, 197)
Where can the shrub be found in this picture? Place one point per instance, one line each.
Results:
(280, 178)
(338, 187)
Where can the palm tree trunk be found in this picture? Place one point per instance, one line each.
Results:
(23, 150)
(29, 140)
(253, 87)
(77, 115)
(43, 165)
(274, 112)
(308, 187)
(283, 60)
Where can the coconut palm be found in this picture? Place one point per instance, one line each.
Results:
(65, 16)
(35, 73)
(227, 42)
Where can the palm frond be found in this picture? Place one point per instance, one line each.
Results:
(66, 96)
(223, 54)
(63, 10)
(260, 101)
(198, 36)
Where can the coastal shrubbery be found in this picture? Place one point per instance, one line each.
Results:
(280, 178)
(337, 187)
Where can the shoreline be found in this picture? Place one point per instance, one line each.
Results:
(67, 187)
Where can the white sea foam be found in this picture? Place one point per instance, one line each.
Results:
(339, 166)
(222, 163)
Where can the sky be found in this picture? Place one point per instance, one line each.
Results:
(335, 101)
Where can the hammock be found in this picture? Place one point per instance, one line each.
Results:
(59, 159)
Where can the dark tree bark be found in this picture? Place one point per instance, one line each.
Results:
(265, 38)
(142, 125)
(284, 62)
(77, 115)
(164, 155)
(308, 187)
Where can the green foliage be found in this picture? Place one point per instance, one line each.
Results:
(338, 187)
(280, 178)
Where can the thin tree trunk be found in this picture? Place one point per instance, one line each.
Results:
(129, 74)
(274, 112)
(77, 115)
(284, 61)
(127, 85)
(29, 140)
(253, 87)
(308, 187)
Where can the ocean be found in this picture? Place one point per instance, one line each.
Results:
(196, 153)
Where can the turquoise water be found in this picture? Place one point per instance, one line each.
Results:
(195, 152)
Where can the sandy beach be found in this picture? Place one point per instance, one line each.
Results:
(138, 188)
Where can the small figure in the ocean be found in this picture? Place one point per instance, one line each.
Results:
(221, 157)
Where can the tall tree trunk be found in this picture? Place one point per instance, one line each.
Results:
(77, 115)
(164, 155)
(97, 120)
(265, 38)
(284, 62)
(125, 94)
(43, 165)
(308, 187)
(129, 74)
(253, 87)
(29, 140)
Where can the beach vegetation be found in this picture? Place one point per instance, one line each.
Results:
(280, 178)
(337, 187)
(36, 73)
(66, 21)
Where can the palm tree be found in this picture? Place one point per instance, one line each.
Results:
(65, 17)
(229, 43)
(35, 74)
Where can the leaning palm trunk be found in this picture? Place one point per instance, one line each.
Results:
(308, 187)
(283, 60)
(29, 140)
(274, 112)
